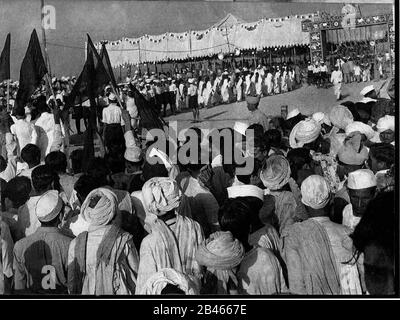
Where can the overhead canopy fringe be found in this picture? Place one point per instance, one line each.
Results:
(265, 33)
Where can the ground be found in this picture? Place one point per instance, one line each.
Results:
(307, 99)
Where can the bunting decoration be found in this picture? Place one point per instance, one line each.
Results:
(264, 33)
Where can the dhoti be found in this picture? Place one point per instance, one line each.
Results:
(336, 88)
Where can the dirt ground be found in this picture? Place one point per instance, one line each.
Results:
(307, 99)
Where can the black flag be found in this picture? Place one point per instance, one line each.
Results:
(33, 69)
(83, 86)
(107, 64)
(102, 77)
(149, 118)
(5, 60)
(86, 83)
(93, 74)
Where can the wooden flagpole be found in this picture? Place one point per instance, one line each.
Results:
(8, 94)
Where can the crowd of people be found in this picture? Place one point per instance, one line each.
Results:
(199, 89)
(188, 90)
(314, 215)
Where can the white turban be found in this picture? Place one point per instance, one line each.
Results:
(385, 123)
(220, 251)
(321, 118)
(304, 132)
(161, 195)
(315, 192)
(275, 172)
(99, 207)
(360, 127)
(340, 116)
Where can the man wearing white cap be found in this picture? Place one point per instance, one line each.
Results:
(40, 260)
(368, 93)
(331, 244)
(379, 107)
(46, 126)
(361, 185)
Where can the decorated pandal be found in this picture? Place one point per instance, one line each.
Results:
(220, 39)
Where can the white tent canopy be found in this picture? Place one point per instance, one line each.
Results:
(265, 33)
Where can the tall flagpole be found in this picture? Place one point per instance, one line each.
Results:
(65, 124)
(8, 94)
(46, 56)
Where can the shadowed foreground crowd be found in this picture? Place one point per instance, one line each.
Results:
(314, 215)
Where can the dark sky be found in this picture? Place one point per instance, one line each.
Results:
(112, 20)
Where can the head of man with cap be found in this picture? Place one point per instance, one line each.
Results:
(352, 155)
(50, 209)
(324, 121)
(361, 185)
(46, 246)
(305, 134)
(357, 126)
(275, 172)
(340, 116)
(369, 92)
(292, 118)
(386, 129)
(161, 196)
(316, 195)
(99, 207)
(112, 98)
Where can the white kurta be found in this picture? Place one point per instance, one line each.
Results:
(224, 91)
(45, 125)
(269, 83)
(259, 86)
(24, 132)
(207, 93)
(239, 89)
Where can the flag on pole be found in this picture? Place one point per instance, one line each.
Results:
(32, 71)
(80, 93)
(102, 77)
(149, 118)
(5, 60)
(93, 77)
(85, 89)
(107, 64)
